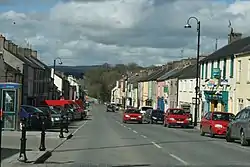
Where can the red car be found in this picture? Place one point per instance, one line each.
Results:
(177, 117)
(132, 115)
(215, 123)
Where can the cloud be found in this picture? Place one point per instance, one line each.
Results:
(146, 32)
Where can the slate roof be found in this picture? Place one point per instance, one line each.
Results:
(229, 50)
(156, 74)
(169, 74)
(188, 72)
(31, 58)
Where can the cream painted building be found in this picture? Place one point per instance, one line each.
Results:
(242, 66)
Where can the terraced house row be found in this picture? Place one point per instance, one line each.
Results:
(224, 82)
(22, 66)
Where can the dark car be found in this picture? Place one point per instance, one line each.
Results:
(35, 117)
(238, 128)
(111, 108)
(54, 115)
(153, 116)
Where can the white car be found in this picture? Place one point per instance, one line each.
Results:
(143, 109)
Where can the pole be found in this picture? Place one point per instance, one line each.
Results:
(22, 156)
(197, 76)
(42, 143)
(53, 86)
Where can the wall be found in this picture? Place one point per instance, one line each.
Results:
(144, 93)
(57, 80)
(242, 75)
(172, 100)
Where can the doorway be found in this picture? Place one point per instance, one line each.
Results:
(214, 105)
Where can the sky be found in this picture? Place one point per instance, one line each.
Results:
(146, 32)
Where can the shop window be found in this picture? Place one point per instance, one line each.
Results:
(218, 64)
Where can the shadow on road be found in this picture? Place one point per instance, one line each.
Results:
(8, 152)
(135, 145)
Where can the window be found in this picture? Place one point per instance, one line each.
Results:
(206, 70)
(212, 69)
(202, 71)
(232, 67)
(225, 69)
(218, 64)
(239, 71)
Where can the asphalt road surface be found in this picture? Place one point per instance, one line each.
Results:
(105, 141)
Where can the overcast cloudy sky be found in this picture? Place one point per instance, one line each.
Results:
(86, 32)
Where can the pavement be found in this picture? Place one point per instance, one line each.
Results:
(11, 144)
(104, 140)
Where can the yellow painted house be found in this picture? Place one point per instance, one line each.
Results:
(144, 93)
(242, 77)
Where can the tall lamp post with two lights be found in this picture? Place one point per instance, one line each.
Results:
(54, 69)
(197, 66)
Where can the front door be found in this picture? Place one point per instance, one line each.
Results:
(8, 106)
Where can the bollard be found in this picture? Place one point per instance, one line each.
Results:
(61, 127)
(42, 143)
(22, 156)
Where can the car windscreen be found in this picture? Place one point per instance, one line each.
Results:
(47, 110)
(157, 113)
(176, 111)
(146, 108)
(222, 117)
(132, 111)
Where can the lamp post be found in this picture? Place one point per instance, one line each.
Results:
(54, 69)
(197, 66)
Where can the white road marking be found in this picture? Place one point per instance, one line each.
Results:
(79, 127)
(156, 145)
(144, 136)
(129, 128)
(124, 126)
(179, 159)
(135, 131)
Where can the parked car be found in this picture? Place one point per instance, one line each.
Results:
(153, 116)
(238, 128)
(111, 108)
(143, 109)
(177, 117)
(132, 115)
(53, 114)
(34, 117)
(215, 123)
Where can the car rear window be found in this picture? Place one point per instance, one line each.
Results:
(176, 111)
(146, 108)
(222, 116)
(132, 111)
(157, 112)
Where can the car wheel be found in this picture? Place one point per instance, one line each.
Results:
(243, 140)
(211, 132)
(151, 121)
(228, 136)
(81, 117)
(202, 133)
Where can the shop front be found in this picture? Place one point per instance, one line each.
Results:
(216, 101)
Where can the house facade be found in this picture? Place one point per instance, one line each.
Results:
(242, 75)
(218, 77)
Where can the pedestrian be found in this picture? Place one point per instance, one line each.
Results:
(65, 115)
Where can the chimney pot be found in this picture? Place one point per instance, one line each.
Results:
(34, 53)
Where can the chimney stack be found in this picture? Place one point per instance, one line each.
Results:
(34, 53)
(2, 39)
(233, 36)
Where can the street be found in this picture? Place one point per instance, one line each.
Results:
(105, 140)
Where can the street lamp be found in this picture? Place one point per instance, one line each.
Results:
(54, 69)
(197, 66)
